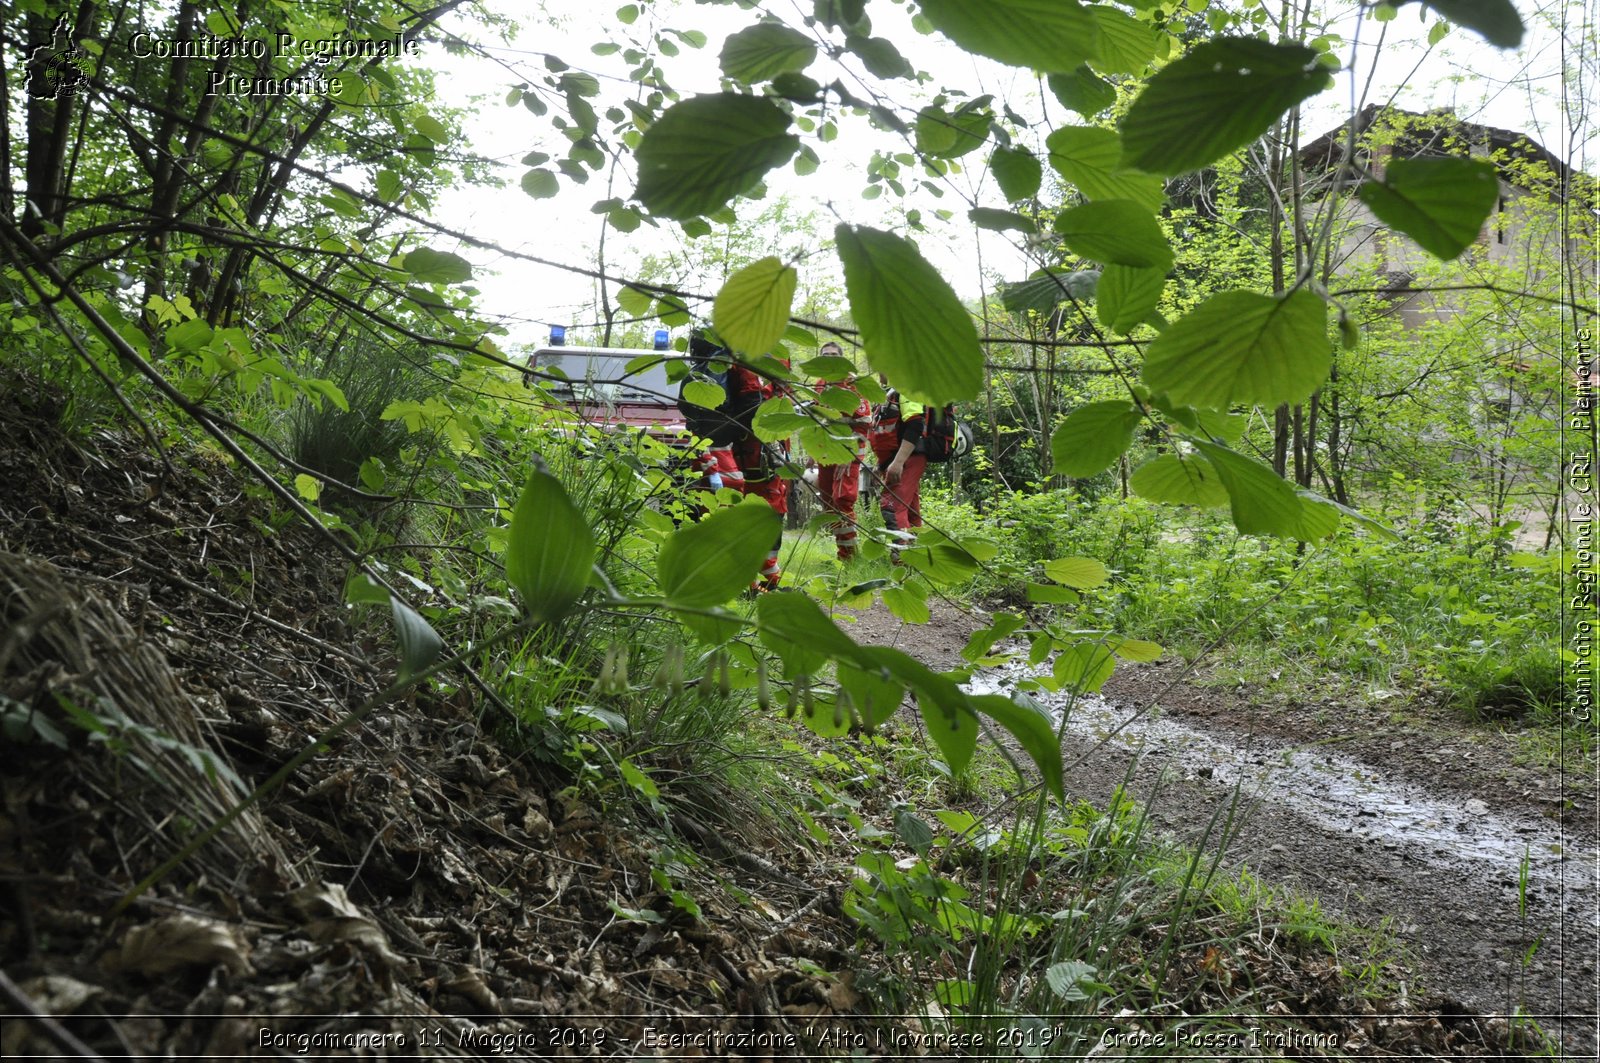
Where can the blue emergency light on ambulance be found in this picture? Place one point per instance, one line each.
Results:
(558, 335)
(662, 336)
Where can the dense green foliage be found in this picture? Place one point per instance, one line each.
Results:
(1190, 335)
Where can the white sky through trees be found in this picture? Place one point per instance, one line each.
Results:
(1523, 90)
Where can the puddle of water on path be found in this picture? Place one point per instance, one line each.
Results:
(1338, 794)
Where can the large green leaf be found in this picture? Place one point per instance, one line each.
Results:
(1126, 44)
(1221, 96)
(1034, 731)
(1083, 666)
(797, 630)
(875, 696)
(881, 58)
(1048, 35)
(436, 267)
(1242, 347)
(706, 150)
(1186, 480)
(1261, 501)
(912, 325)
(951, 134)
(550, 548)
(1093, 437)
(1017, 172)
(765, 50)
(1001, 220)
(1115, 230)
(1090, 158)
(1043, 294)
(1082, 573)
(420, 645)
(1439, 203)
(752, 310)
(710, 562)
(945, 564)
(1496, 20)
(1083, 91)
(1127, 296)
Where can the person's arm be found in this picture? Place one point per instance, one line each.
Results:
(911, 424)
(898, 464)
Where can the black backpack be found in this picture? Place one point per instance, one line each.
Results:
(729, 421)
(943, 437)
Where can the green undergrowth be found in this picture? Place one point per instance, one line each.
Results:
(1443, 613)
(1014, 928)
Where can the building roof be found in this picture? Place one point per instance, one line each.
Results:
(1421, 135)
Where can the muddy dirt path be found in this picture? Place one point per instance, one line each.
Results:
(1481, 864)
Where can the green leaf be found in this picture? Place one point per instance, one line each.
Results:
(707, 149)
(540, 183)
(712, 561)
(1044, 293)
(796, 629)
(875, 696)
(752, 309)
(913, 326)
(550, 551)
(1083, 666)
(1083, 91)
(1356, 515)
(1000, 220)
(1126, 44)
(431, 128)
(634, 301)
(1115, 231)
(362, 589)
(828, 447)
(1186, 480)
(1093, 437)
(1034, 731)
(1242, 347)
(1064, 978)
(1090, 157)
(1221, 96)
(308, 487)
(1440, 203)
(800, 89)
(842, 400)
(703, 393)
(906, 606)
(881, 58)
(1018, 173)
(1127, 296)
(420, 645)
(189, 336)
(1134, 649)
(1081, 573)
(945, 564)
(1048, 35)
(1050, 594)
(1261, 501)
(765, 50)
(1496, 21)
(389, 186)
(828, 367)
(951, 134)
(1319, 517)
(983, 640)
(436, 267)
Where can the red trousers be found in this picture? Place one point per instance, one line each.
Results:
(901, 503)
(840, 486)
